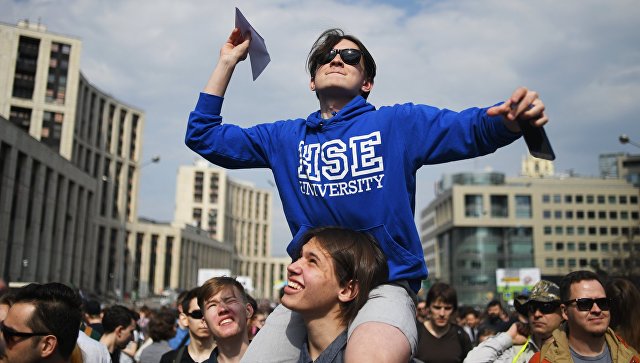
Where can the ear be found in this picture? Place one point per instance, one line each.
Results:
(48, 346)
(184, 319)
(249, 309)
(349, 291)
(367, 85)
(312, 84)
(563, 310)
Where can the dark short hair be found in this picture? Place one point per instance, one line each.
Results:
(161, 325)
(325, 43)
(575, 277)
(356, 257)
(493, 303)
(57, 310)
(117, 315)
(92, 307)
(216, 284)
(186, 300)
(442, 291)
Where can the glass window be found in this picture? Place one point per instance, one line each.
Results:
(546, 214)
(523, 206)
(557, 214)
(593, 231)
(634, 215)
(624, 215)
(559, 230)
(499, 206)
(606, 262)
(568, 214)
(623, 199)
(615, 231)
(604, 231)
(582, 246)
(590, 199)
(548, 246)
(559, 246)
(557, 198)
(547, 230)
(601, 199)
(570, 230)
(591, 214)
(581, 231)
(473, 205)
(602, 214)
(633, 199)
(572, 262)
(571, 246)
(568, 198)
(612, 199)
(579, 199)
(546, 198)
(548, 262)
(604, 247)
(560, 262)
(613, 215)
(580, 214)
(583, 262)
(593, 246)
(615, 246)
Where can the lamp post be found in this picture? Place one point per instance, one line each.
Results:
(624, 139)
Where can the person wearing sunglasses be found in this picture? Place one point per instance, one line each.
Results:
(518, 344)
(201, 342)
(42, 324)
(353, 165)
(586, 335)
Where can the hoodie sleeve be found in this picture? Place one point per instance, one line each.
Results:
(491, 350)
(226, 145)
(440, 135)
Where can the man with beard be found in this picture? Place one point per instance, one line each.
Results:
(201, 342)
(586, 336)
(439, 340)
(119, 323)
(542, 309)
(226, 310)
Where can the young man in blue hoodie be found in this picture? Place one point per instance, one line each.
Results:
(352, 165)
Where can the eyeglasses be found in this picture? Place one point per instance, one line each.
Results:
(349, 56)
(544, 307)
(585, 304)
(196, 314)
(8, 334)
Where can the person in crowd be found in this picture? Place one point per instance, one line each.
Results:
(485, 333)
(181, 338)
(92, 319)
(118, 322)
(226, 310)
(587, 336)
(201, 342)
(471, 320)
(348, 156)
(92, 350)
(521, 342)
(328, 283)
(257, 322)
(421, 311)
(496, 318)
(143, 322)
(42, 324)
(440, 340)
(625, 311)
(162, 327)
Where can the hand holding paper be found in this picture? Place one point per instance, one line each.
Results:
(258, 53)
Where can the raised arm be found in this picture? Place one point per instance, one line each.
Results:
(235, 50)
(523, 103)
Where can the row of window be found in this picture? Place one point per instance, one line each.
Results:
(590, 199)
(591, 246)
(590, 214)
(583, 231)
(594, 262)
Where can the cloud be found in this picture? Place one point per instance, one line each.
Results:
(581, 55)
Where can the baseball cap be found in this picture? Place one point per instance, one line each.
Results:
(543, 291)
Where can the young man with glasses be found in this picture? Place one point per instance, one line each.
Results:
(352, 165)
(520, 343)
(201, 342)
(226, 309)
(42, 325)
(587, 336)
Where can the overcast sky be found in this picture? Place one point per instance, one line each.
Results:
(582, 56)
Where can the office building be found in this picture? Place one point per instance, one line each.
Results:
(479, 222)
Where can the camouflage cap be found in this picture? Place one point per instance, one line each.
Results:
(543, 291)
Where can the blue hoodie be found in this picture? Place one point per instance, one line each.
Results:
(355, 170)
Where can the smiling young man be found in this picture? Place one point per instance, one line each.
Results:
(328, 284)
(542, 309)
(226, 310)
(333, 166)
(587, 337)
(440, 340)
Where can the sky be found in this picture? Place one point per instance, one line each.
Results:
(581, 56)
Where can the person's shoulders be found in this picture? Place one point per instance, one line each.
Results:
(169, 356)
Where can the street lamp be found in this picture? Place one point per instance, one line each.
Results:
(624, 139)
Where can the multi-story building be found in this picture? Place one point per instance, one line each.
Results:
(479, 222)
(233, 211)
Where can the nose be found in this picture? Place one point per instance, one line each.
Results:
(294, 267)
(336, 61)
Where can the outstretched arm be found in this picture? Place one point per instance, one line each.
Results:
(235, 50)
(523, 104)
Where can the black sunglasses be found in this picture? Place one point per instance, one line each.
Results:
(544, 307)
(8, 334)
(585, 304)
(349, 56)
(196, 314)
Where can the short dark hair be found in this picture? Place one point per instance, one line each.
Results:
(325, 43)
(186, 300)
(575, 277)
(57, 310)
(117, 315)
(493, 303)
(161, 325)
(216, 284)
(442, 291)
(356, 257)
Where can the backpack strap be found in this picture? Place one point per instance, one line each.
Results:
(178, 357)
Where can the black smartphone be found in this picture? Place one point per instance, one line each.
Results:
(537, 141)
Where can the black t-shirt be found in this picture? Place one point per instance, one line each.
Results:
(168, 357)
(450, 348)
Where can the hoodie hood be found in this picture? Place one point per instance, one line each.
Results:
(357, 106)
